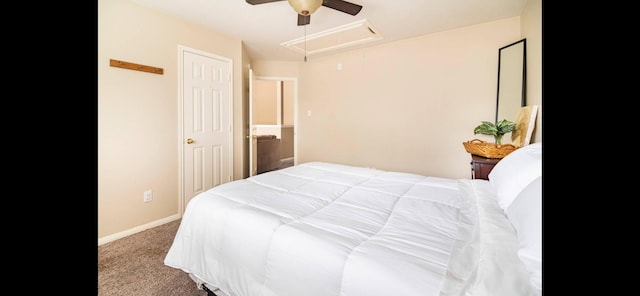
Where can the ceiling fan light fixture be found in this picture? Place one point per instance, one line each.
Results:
(305, 7)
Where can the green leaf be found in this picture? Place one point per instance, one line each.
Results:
(486, 128)
(505, 126)
(489, 128)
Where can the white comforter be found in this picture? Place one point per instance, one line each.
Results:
(327, 229)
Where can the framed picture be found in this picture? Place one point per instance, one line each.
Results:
(525, 123)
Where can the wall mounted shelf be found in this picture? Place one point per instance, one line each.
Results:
(134, 66)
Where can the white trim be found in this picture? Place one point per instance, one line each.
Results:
(295, 122)
(352, 34)
(180, 129)
(128, 232)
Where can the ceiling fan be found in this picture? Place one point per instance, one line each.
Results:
(305, 8)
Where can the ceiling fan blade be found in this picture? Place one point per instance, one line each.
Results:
(339, 5)
(254, 2)
(304, 19)
(344, 6)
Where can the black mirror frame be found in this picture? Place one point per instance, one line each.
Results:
(524, 74)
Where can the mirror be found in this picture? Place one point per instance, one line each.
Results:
(512, 69)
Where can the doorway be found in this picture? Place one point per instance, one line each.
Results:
(272, 123)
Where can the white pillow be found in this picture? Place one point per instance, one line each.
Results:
(515, 171)
(525, 214)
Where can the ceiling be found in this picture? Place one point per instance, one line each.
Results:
(262, 28)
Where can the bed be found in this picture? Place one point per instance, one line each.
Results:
(320, 228)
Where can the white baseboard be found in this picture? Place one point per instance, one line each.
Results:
(119, 235)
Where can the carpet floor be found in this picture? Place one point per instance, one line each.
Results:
(134, 265)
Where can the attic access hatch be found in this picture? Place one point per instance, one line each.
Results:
(352, 34)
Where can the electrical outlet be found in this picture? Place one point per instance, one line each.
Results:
(148, 196)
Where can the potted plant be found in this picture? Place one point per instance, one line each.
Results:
(497, 130)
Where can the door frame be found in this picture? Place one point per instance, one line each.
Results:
(181, 50)
(251, 136)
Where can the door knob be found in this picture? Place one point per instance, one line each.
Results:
(189, 141)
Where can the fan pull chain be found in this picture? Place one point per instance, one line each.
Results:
(305, 43)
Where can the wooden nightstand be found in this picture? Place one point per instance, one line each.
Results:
(481, 167)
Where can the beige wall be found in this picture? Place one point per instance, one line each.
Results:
(138, 113)
(531, 21)
(407, 105)
(287, 102)
(265, 105)
(265, 102)
(287, 69)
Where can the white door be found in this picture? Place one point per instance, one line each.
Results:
(206, 128)
(253, 138)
